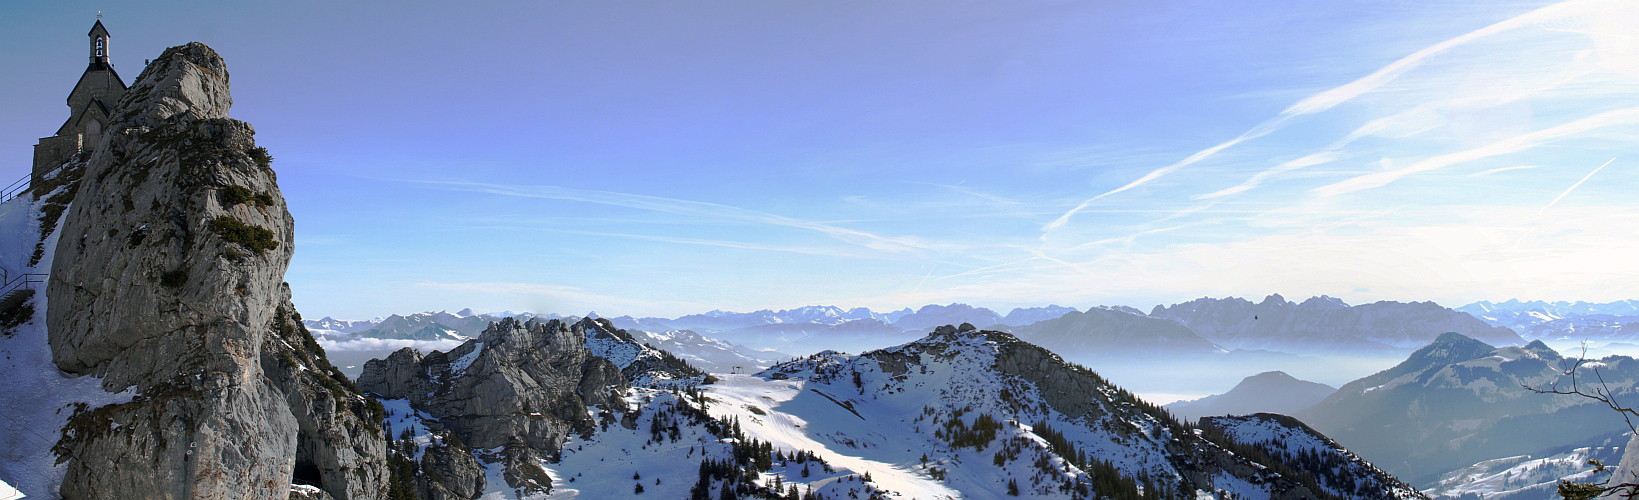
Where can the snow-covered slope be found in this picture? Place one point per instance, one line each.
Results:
(1524, 477)
(340, 325)
(641, 364)
(957, 414)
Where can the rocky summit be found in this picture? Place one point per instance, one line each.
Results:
(520, 387)
(169, 283)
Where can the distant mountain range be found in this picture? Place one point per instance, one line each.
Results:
(1326, 325)
(1573, 321)
(800, 331)
(1319, 325)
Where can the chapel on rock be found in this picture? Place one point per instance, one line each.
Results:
(89, 106)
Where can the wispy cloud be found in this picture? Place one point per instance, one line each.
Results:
(1513, 144)
(691, 209)
(1125, 240)
(1500, 170)
(573, 296)
(1338, 95)
(1410, 122)
(806, 250)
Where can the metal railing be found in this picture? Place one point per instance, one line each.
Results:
(22, 281)
(16, 189)
(18, 289)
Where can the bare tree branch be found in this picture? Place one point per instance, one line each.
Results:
(1603, 394)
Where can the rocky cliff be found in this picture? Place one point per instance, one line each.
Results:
(520, 389)
(168, 282)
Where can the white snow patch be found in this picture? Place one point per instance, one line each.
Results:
(459, 366)
(9, 493)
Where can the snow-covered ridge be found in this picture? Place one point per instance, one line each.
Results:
(1340, 472)
(982, 406)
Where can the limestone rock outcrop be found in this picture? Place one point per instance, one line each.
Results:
(169, 282)
(522, 387)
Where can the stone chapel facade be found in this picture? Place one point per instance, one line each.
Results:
(89, 104)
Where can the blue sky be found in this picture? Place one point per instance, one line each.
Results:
(653, 158)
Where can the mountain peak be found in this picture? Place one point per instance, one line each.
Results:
(1453, 338)
(1325, 301)
(1542, 350)
(1272, 375)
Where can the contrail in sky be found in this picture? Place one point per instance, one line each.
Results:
(1573, 186)
(1338, 95)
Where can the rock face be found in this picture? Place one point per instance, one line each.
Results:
(449, 473)
(172, 285)
(520, 386)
